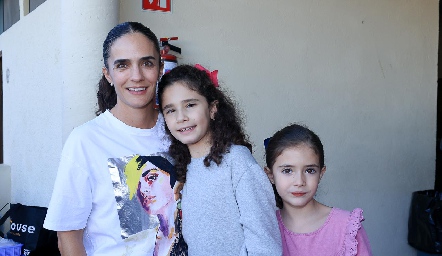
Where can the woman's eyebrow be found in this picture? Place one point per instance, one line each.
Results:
(148, 58)
(120, 61)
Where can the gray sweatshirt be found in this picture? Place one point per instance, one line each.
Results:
(229, 210)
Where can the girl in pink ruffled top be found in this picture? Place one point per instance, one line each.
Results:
(295, 166)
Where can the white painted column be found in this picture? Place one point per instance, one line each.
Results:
(85, 24)
(24, 8)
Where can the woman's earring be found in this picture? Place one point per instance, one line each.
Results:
(111, 84)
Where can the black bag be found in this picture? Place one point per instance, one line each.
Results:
(3, 219)
(425, 221)
(27, 228)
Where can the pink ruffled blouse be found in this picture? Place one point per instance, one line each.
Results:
(341, 235)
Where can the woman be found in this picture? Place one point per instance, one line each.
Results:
(83, 208)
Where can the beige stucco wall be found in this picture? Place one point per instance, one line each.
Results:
(362, 74)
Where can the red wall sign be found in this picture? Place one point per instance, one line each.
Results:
(157, 5)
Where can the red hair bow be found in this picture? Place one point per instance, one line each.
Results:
(213, 75)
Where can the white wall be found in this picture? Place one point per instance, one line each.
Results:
(32, 114)
(362, 74)
(53, 56)
(84, 26)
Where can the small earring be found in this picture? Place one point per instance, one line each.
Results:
(111, 84)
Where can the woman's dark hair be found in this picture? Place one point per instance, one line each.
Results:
(225, 129)
(106, 95)
(290, 137)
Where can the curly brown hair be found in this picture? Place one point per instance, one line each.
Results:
(226, 128)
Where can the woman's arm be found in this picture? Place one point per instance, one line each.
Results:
(70, 243)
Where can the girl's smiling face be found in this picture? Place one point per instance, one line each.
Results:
(296, 174)
(187, 115)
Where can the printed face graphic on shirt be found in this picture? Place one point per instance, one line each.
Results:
(148, 208)
(154, 190)
(144, 190)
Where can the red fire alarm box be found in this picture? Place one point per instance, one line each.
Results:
(157, 5)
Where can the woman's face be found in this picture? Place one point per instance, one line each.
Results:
(154, 189)
(133, 69)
